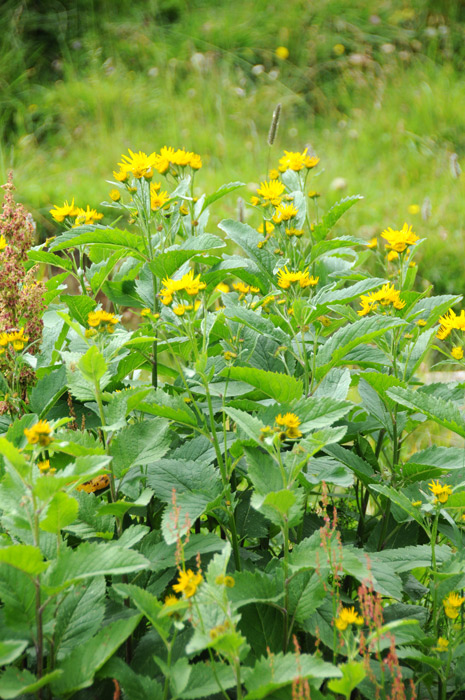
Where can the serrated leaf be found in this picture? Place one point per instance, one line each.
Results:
(79, 307)
(166, 406)
(331, 217)
(135, 685)
(249, 424)
(148, 605)
(10, 650)
(110, 238)
(257, 587)
(61, 511)
(79, 616)
(92, 365)
(42, 256)
(15, 682)
(445, 413)
(251, 319)
(47, 391)
(221, 192)
(139, 444)
(204, 679)
(353, 673)
(248, 239)
(24, 557)
(281, 387)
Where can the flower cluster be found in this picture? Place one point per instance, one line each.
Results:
(440, 492)
(82, 217)
(15, 339)
(452, 605)
(39, 434)
(286, 425)
(346, 617)
(386, 296)
(141, 165)
(188, 582)
(451, 322)
(398, 241)
(244, 289)
(188, 286)
(297, 161)
(286, 278)
(102, 321)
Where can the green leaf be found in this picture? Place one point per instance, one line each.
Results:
(92, 365)
(62, 511)
(92, 559)
(316, 413)
(248, 239)
(331, 217)
(203, 680)
(15, 682)
(135, 685)
(24, 557)
(47, 391)
(148, 605)
(353, 673)
(14, 458)
(172, 407)
(443, 412)
(139, 444)
(257, 587)
(249, 424)
(79, 668)
(42, 256)
(251, 319)
(280, 670)
(10, 650)
(323, 248)
(79, 616)
(79, 307)
(400, 500)
(111, 238)
(221, 192)
(281, 387)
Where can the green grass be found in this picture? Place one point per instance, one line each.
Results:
(180, 74)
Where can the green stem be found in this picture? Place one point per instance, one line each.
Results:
(434, 534)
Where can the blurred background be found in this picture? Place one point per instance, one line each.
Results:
(376, 90)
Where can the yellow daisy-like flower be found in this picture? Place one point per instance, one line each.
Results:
(60, 213)
(223, 288)
(87, 216)
(400, 240)
(145, 312)
(157, 199)
(17, 339)
(139, 164)
(229, 356)
(271, 192)
(291, 422)
(420, 322)
(452, 605)
(392, 255)
(293, 160)
(440, 491)
(385, 296)
(297, 232)
(44, 465)
(121, 175)
(188, 283)
(442, 645)
(245, 288)
(273, 174)
(282, 52)
(95, 318)
(451, 322)
(372, 243)
(285, 212)
(269, 228)
(170, 600)
(457, 352)
(2, 242)
(286, 278)
(40, 433)
(115, 195)
(188, 582)
(346, 617)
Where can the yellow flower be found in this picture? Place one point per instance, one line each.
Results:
(115, 195)
(170, 600)
(60, 213)
(271, 192)
(17, 339)
(440, 492)
(384, 296)
(313, 194)
(420, 322)
(227, 581)
(228, 355)
(413, 209)
(145, 312)
(443, 645)
(457, 352)
(399, 240)
(87, 216)
(339, 49)
(188, 582)
(451, 322)
(269, 228)
(121, 175)
(40, 433)
(291, 422)
(188, 283)
(95, 318)
(157, 199)
(2, 242)
(139, 164)
(254, 201)
(285, 212)
(282, 52)
(294, 232)
(452, 605)
(183, 210)
(293, 160)
(416, 503)
(372, 243)
(286, 278)
(346, 617)
(245, 288)
(392, 255)
(179, 310)
(223, 288)
(324, 320)
(273, 174)
(44, 465)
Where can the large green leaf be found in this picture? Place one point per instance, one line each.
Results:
(322, 248)
(316, 413)
(135, 685)
(252, 319)
(205, 681)
(79, 668)
(148, 605)
(257, 587)
(331, 217)
(248, 239)
(221, 192)
(10, 649)
(139, 444)
(173, 407)
(47, 391)
(79, 307)
(353, 673)
(79, 616)
(42, 256)
(108, 238)
(281, 387)
(61, 511)
(24, 557)
(15, 682)
(443, 412)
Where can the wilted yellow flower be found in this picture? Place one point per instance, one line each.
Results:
(60, 213)
(228, 355)
(227, 581)
(400, 240)
(457, 352)
(416, 503)
(40, 433)
(44, 465)
(188, 582)
(282, 52)
(441, 492)
(313, 194)
(346, 617)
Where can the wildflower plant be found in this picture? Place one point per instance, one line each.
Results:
(215, 471)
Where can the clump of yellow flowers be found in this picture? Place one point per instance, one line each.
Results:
(188, 286)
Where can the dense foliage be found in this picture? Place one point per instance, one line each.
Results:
(208, 483)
